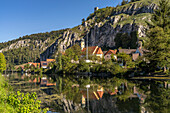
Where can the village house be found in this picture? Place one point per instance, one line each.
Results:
(93, 50)
(135, 53)
(44, 64)
(107, 55)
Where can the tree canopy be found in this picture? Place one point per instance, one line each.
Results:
(2, 62)
(159, 37)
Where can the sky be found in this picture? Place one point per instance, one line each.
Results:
(25, 17)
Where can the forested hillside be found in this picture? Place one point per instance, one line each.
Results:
(28, 48)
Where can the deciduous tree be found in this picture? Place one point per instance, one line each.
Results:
(2, 62)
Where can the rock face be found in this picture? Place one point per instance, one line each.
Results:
(136, 8)
(105, 35)
(67, 40)
(21, 43)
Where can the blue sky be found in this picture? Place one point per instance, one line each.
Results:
(24, 17)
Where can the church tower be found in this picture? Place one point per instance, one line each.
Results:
(82, 44)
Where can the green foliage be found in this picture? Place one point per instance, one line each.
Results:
(2, 62)
(161, 16)
(73, 52)
(126, 58)
(159, 37)
(11, 102)
(124, 2)
(101, 14)
(125, 40)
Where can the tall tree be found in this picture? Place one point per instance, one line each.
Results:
(2, 62)
(159, 37)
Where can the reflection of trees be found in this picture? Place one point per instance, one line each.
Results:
(159, 99)
(72, 93)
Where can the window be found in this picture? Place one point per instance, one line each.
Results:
(44, 63)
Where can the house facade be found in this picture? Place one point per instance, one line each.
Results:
(44, 64)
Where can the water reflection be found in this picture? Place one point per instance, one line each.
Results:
(69, 93)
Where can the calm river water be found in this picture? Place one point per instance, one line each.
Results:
(68, 93)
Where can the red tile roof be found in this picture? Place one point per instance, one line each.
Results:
(111, 52)
(99, 51)
(34, 64)
(100, 94)
(92, 50)
(50, 60)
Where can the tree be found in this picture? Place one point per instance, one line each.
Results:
(124, 2)
(126, 58)
(59, 62)
(2, 62)
(159, 37)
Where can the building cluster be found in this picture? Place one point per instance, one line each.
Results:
(107, 55)
(41, 64)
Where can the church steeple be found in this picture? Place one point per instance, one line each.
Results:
(82, 44)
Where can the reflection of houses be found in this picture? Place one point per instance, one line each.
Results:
(93, 95)
(93, 50)
(35, 80)
(107, 55)
(45, 82)
(44, 64)
(96, 95)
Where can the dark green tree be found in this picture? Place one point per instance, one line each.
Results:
(159, 99)
(159, 37)
(125, 58)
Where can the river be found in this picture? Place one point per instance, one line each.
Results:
(69, 93)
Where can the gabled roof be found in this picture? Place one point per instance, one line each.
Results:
(99, 51)
(92, 50)
(111, 52)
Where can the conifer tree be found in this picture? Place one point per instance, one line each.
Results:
(159, 37)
